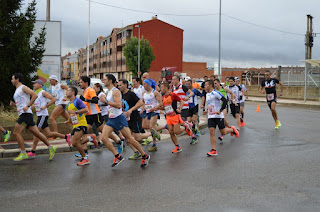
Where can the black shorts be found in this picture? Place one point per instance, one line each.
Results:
(105, 118)
(26, 119)
(193, 111)
(42, 122)
(64, 107)
(184, 114)
(213, 122)
(95, 119)
(80, 128)
(274, 100)
(135, 125)
(235, 109)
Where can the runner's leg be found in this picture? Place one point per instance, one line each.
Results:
(18, 129)
(57, 111)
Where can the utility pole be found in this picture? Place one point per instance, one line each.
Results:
(219, 61)
(309, 44)
(88, 48)
(48, 11)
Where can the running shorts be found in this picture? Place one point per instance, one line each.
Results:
(42, 122)
(135, 125)
(148, 115)
(213, 122)
(193, 111)
(235, 109)
(117, 123)
(184, 114)
(80, 128)
(173, 120)
(273, 100)
(26, 119)
(95, 119)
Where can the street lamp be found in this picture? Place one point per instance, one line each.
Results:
(138, 26)
(219, 61)
(88, 51)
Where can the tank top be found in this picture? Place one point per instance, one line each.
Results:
(139, 92)
(58, 94)
(39, 102)
(182, 95)
(113, 112)
(103, 109)
(21, 99)
(150, 101)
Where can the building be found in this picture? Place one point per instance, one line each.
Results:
(70, 66)
(196, 69)
(106, 54)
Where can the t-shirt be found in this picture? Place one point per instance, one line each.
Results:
(77, 119)
(131, 99)
(243, 89)
(196, 85)
(270, 85)
(213, 100)
(193, 101)
(93, 108)
(170, 103)
(203, 91)
(236, 90)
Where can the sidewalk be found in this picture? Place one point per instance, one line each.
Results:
(11, 148)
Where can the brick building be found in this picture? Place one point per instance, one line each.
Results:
(106, 54)
(196, 69)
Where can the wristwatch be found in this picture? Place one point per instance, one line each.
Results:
(76, 112)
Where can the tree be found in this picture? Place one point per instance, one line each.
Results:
(131, 53)
(17, 52)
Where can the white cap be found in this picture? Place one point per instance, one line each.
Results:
(54, 77)
(236, 78)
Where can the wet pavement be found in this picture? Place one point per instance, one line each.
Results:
(264, 170)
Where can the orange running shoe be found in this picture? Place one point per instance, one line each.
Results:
(177, 149)
(84, 162)
(94, 140)
(188, 129)
(235, 132)
(242, 124)
(213, 152)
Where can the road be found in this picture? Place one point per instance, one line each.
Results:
(263, 170)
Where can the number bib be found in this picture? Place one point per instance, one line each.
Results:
(37, 106)
(148, 107)
(270, 96)
(111, 113)
(211, 110)
(74, 119)
(168, 109)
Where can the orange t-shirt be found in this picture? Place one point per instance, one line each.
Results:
(196, 85)
(93, 108)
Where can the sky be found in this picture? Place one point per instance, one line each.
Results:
(242, 44)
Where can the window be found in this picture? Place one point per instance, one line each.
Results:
(123, 62)
(119, 36)
(119, 48)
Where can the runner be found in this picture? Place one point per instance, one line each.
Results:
(173, 118)
(132, 104)
(215, 115)
(205, 78)
(270, 88)
(58, 94)
(41, 106)
(153, 83)
(235, 103)
(117, 121)
(23, 104)
(182, 92)
(151, 99)
(244, 96)
(6, 134)
(225, 91)
(194, 108)
(77, 110)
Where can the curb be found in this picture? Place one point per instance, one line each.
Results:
(291, 104)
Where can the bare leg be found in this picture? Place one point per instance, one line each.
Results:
(172, 134)
(50, 134)
(35, 131)
(141, 136)
(75, 139)
(18, 128)
(57, 111)
(238, 120)
(127, 134)
(152, 125)
(273, 111)
(213, 137)
(106, 132)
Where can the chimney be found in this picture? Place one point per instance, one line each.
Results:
(155, 17)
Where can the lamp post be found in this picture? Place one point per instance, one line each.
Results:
(139, 73)
(219, 62)
(88, 51)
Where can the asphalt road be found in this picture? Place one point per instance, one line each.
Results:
(263, 170)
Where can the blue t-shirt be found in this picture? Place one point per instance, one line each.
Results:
(193, 101)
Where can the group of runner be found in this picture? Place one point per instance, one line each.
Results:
(131, 115)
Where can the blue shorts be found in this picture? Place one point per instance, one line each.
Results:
(149, 115)
(117, 123)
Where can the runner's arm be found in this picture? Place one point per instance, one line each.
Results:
(158, 97)
(230, 92)
(65, 87)
(261, 90)
(33, 95)
(281, 88)
(224, 103)
(137, 105)
(117, 100)
(102, 98)
(50, 97)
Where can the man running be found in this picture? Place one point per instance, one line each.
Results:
(270, 88)
(117, 121)
(77, 110)
(41, 104)
(243, 97)
(23, 104)
(194, 107)
(133, 103)
(58, 94)
(174, 121)
(6, 134)
(216, 116)
(235, 103)
(151, 99)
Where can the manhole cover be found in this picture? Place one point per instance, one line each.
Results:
(13, 146)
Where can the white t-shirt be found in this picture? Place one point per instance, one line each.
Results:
(243, 89)
(139, 92)
(213, 100)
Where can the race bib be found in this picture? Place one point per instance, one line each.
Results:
(111, 113)
(211, 110)
(74, 119)
(37, 106)
(270, 96)
(148, 107)
(168, 109)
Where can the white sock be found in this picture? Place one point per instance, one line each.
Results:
(90, 138)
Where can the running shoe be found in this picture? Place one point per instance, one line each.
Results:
(278, 124)
(120, 146)
(235, 132)
(94, 140)
(213, 152)
(7, 136)
(242, 124)
(157, 125)
(155, 134)
(78, 155)
(21, 156)
(117, 160)
(198, 133)
(31, 154)
(153, 149)
(145, 161)
(146, 142)
(194, 141)
(52, 151)
(135, 156)
(177, 149)
(83, 162)
(68, 139)
(220, 137)
(188, 129)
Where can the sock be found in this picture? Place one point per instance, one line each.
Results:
(33, 151)
(49, 147)
(213, 150)
(86, 151)
(137, 153)
(166, 127)
(23, 152)
(242, 115)
(85, 158)
(4, 132)
(178, 145)
(117, 155)
(154, 144)
(65, 137)
(90, 138)
(122, 140)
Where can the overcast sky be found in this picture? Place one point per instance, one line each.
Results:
(243, 45)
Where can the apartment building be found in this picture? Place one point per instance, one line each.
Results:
(106, 54)
(70, 66)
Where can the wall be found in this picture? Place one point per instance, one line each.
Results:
(195, 69)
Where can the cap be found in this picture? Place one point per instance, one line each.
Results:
(38, 81)
(54, 77)
(148, 82)
(236, 78)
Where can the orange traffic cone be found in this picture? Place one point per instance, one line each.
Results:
(258, 108)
